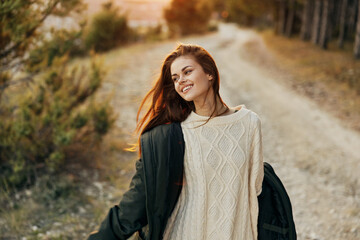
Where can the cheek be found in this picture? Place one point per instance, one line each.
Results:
(204, 82)
(177, 88)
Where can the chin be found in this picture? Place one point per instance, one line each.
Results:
(187, 98)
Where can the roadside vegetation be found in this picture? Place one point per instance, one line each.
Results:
(51, 125)
(330, 78)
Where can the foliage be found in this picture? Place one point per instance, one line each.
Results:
(64, 42)
(217, 5)
(21, 21)
(48, 116)
(53, 119)
(247, 11)
(154, 33)
(108, 29)
(187, 16)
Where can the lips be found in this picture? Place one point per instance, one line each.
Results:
(187, 88)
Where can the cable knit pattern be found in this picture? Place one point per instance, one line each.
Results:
(223, 175)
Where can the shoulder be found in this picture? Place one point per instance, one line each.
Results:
(162, 131)
(254, 116)
(251, 114)
(255, 120)
(161, 143)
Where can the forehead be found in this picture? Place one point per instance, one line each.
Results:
(181, 62)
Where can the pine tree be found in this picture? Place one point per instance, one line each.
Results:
(45, 113)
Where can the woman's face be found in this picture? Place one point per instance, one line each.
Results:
(190, 80)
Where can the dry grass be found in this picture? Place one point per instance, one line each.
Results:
(330, 77)
(84, 200)
(70, 205)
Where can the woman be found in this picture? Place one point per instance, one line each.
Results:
(200, 168)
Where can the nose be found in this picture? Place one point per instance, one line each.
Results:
(182, 79)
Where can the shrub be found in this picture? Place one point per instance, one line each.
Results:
(52, 123)
(62, 42)
(48, 116)
(187, 17)
(107, 30)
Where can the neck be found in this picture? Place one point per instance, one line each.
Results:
(207, 107)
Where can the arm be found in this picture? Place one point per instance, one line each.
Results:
(129, 215)
(256, 159)
(256, 173)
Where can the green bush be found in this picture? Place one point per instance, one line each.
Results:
(154, 33)
(63, 42)
(51, 123)
(48, 115)
(187, 17)
(108, 29)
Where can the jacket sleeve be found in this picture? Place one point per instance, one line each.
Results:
(129, 215)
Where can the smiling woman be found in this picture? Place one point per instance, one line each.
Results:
(192, 181)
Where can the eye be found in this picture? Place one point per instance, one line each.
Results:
(175, 79)
(188, 71)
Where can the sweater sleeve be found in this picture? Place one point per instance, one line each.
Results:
(256, 158)
(256, 174)
(129, 215)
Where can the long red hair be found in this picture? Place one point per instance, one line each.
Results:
(166, 104)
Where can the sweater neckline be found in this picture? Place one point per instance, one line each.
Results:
(194, 117)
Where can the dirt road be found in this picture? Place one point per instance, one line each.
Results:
(315, 156)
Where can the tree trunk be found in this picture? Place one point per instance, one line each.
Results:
(353, 8)
(290, 18)
(336, 13)
(342, 26)
(317, 22)
(326, 28)
(282, 17)
(249, 20)
(357, 36)
(307, 20)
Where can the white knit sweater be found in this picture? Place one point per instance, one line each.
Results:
(223, 175)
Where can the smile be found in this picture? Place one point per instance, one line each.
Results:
(187, 88)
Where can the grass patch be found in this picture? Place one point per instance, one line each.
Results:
(330, 77)
(72, 204)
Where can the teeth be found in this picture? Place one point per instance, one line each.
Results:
(186, 88)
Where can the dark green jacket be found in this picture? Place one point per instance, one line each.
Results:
(156, 186)
(153, 191)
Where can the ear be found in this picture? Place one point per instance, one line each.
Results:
(210, 77)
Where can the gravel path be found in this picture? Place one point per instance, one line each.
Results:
(316, 157)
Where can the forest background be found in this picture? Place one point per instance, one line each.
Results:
(63, 152)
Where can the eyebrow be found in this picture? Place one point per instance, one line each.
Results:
(181, 70)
